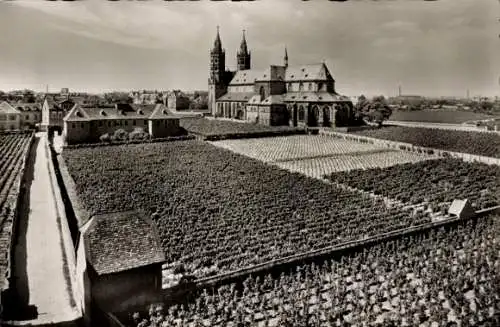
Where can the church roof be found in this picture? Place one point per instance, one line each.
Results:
(236, 96)
(313, 97)
(307, 72)
(272, 99)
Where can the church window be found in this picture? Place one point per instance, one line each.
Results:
(301, 114)
(100, 123)
(145, 122)
(81, 125)
(262, 93)
(73, 125)
(126, 123)
(133, 122)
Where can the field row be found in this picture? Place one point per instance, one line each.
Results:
(319, 167)
(483, 144)
(432, 182)
(218, 211)
(223, 128)
(13, 151)
(440, 278)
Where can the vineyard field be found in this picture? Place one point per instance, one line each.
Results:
(483, 144)
(319, 167)
(438, 116)
(432, 181)
(217, 211)
(443, 277)
(223, 128)
(287, 148)
(13, 150)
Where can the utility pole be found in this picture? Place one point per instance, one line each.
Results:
(399, 90)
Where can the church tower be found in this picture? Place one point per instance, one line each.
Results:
(243, 56)
(216, 82)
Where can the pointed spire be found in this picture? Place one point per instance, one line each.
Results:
(243, 45)
(286, 57)
(217, 42)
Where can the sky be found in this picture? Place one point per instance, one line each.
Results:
(433, 48)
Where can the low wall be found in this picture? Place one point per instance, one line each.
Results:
(65, 233)
(455, 127)
(412, 148)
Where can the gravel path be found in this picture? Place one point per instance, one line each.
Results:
(39, 254)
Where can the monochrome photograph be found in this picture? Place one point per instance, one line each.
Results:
(270, 163)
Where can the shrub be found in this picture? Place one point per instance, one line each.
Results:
(138, 134)
(120, 135)
(105, 138)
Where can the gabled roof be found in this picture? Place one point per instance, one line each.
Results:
(236, 96)
(162, 112)
(77, 113)
(307, 73)
(461, 208)
(120, 241)
(6, 108)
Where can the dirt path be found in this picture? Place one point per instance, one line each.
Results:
(43, 291)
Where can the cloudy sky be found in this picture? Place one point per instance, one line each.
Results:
(431, 48)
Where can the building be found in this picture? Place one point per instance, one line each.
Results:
(146, 97)
(176, 100)
(119, 261)
(53, 113)
(10, 117)
(31, 114)
(85, 124)
(301, 95)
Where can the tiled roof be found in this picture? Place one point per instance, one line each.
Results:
(121, 241)
(272, 99)
(236, 96)
(307, 72)
(120, 111)
(27, 106)
(313, 97)
(6, 108)
(248, 76)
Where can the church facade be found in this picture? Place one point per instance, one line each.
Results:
(302, 95)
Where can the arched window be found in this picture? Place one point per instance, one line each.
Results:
(302, 115)
(262, 93)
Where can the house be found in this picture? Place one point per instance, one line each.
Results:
(461, 209)
(53, 113)
(119, 262)
(31, 114)
(302, 95)
(86, 124)
(10, 117)
(176, 100)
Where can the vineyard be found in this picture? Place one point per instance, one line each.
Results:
(432, 182)
(219, 129)
(442, 277)
(217, 211)
(483, 144)
(13, 151)
(316, 156)
(438, 116)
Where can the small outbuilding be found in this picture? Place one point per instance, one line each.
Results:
(461, 209)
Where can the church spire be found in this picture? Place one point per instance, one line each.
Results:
(285, 59)
(243, 55)
(217, 42)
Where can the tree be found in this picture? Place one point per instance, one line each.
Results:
(377, 110)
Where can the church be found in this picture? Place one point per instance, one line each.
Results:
(277, 95)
